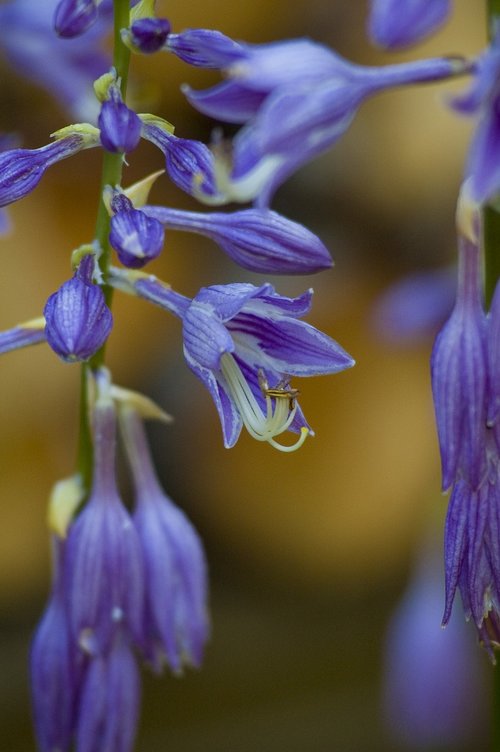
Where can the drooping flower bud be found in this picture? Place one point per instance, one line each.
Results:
(109, 701)
(30, 333)
(78, 321)
(176, 622)
(400, 23)
(119, 125)
(104, 584)
(147, 35)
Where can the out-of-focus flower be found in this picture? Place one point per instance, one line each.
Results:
(483, 99)
(176, 623)
(401, 23)
(30, 333)
(104, 571)
(73, 17)
(459, 377)
(66, 69)
(433, 694)
(415, 306)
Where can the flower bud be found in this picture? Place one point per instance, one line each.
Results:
(78, 321)
(135, 237)
(147, 35)
(120, 127)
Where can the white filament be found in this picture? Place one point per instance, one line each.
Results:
(261, 427)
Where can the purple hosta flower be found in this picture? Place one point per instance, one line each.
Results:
(78, 321)
(22, 169)
(415, 306)
(459, 377)
(176, 623)
(245, 343)
(109, 701)
(119, 125)
(252, 71)
(104, 584)
(401, 23)
(258, 239)
(55, 668)
(73, 17)
(484, 98)
(147, 35)
(296, 123)
(136, 237)
(494, 363)
(189, 163)
(66, 70)
(30, 333)
(296, 98)
(433, 694)
(472, 552)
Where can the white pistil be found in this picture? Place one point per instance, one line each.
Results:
(261, 427)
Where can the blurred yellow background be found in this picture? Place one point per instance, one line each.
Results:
(309, 552)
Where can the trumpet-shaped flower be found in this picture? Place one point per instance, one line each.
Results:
(67, 71)
(459, 377)
(55, 668)
(104, 585)
(176, 622)
(245, 343)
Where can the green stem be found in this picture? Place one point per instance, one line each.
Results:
(111, 175)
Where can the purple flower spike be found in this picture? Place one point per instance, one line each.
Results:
(400, 23)
(245, 343)
(109, 702)
(258, 239)
(189, 163)
(104, 585)
(73, 17)
(459, 377)
(148, 35)
(119, 125)
(78, 321)
(22, 169)
(55, 668)
(176, 623)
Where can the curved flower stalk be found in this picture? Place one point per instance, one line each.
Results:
(67, 71)
(394, 24)
(245, 343)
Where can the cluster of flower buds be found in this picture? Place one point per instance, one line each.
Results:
(123, 582)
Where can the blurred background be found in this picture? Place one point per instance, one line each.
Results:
(309, 553)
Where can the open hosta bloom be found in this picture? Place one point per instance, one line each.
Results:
(245, 343)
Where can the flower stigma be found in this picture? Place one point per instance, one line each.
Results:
(278, 417)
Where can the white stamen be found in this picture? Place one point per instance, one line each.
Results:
(261, 427)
